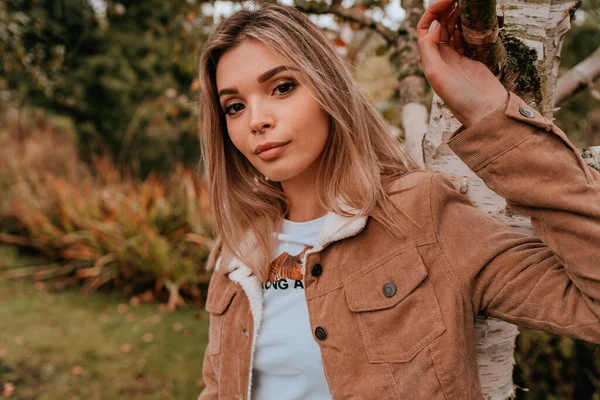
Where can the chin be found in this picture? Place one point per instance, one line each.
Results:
(280, 174)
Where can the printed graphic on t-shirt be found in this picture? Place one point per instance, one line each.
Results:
(286, 266)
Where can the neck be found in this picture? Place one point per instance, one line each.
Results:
(301, 194)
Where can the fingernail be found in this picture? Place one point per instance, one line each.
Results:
(433, 25)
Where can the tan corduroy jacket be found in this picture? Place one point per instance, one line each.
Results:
(394, 318)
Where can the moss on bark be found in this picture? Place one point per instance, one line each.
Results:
(520, 74)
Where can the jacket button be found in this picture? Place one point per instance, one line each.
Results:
(320, 333)
(317, 270)
(526, 112)
(389, 289)
(245, 332)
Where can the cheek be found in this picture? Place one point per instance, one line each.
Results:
(236, 136)
(313, 124)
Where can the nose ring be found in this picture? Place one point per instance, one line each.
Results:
(262, 130)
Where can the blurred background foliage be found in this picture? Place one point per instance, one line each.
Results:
(99, 153)
(123, 77)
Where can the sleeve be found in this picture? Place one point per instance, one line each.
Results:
(209, 377)
(549, 282)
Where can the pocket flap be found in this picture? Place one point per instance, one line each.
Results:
(220, 293)
(403, 273)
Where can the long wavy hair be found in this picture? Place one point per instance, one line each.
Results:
(359, 159)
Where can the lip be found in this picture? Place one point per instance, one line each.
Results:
(272, 152)
(268, 145)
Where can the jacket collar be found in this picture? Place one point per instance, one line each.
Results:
(335, 227)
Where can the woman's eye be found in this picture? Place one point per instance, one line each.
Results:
(237, 107)
(285, 87)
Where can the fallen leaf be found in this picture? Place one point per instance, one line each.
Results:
(200, 383)
(141, 378)
(148, 337)
(77, 370)
(50, 321)
(147, 296)
(177, 326)
(2, 352)
(187, 332)
(134, 301)
(122, 308)
(130, 317)
(199, 315)
(155, 319)
(8, 389)
(126, 348)
(162, 308)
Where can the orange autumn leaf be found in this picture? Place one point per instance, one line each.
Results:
(195, 86)
(339, 42)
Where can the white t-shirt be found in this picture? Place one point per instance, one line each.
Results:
(287, 360)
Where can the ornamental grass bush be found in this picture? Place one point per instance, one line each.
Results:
(97, 226)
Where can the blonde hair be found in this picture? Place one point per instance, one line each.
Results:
(359, 159)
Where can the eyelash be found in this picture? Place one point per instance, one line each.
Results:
(291, 82)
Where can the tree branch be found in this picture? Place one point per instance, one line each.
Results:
(353, 15)
(481, 34)
(578, 77)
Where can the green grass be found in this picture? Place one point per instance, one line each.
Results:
(46, 336)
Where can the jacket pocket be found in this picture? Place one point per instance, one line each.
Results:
(220, 294)
(396, 308)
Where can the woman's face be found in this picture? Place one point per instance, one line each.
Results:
(258, 91)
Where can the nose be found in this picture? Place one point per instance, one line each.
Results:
(260, 118)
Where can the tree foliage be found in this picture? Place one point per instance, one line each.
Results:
(125, 78)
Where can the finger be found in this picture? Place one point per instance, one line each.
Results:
(433, 13)
(459, 44)
(452, 20)
(448, 20)
(430, 51)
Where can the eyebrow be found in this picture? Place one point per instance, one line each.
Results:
(262, 78)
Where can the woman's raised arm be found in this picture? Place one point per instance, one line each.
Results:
(549, 282)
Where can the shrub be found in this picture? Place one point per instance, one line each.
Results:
(99, 226)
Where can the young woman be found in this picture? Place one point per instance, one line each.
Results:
(343, 271)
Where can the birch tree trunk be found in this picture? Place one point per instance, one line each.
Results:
(540, 25)
(411, 84)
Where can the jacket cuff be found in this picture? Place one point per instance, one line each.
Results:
(497, 133)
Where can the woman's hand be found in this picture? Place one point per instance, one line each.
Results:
(468, 88)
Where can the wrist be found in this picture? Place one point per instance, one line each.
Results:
(486, 109)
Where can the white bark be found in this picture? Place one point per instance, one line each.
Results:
(578, 77)
(412, 88)
(541, 25)
(591, 156)
(415, 124)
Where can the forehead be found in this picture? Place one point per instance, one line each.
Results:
(245, 63)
